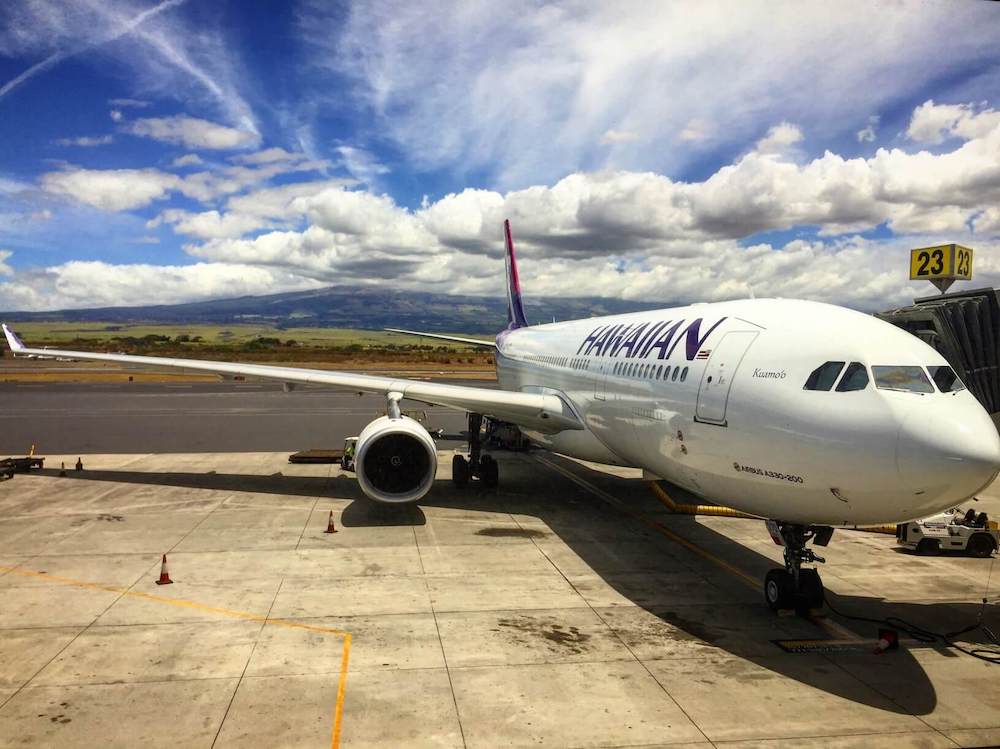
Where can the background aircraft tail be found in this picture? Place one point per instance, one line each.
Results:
(515, 311)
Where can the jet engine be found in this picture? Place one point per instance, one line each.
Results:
(395, 460)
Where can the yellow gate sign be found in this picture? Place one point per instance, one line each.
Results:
(941, 265)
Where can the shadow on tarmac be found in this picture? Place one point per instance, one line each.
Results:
(696, 609)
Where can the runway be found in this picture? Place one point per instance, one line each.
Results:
(190, 418)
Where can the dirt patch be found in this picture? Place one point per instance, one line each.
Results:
(560, 636)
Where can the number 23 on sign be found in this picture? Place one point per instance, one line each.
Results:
(942, 261)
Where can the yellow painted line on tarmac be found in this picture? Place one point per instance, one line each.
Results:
(245, 615)
(689, 545)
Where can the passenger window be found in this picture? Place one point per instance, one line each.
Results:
(823, 377)
(684, 374)
(659, 372)
(677, 371)
(946, 379)
(666, 372)
(910, 378)
(855, 378)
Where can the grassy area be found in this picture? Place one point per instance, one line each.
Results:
(46, 333)
(334, 346)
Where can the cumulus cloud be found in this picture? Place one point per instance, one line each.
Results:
(779, 138)
(5, 270)
(111, 189)
(86, 141)
(128, 189)
(192, 132)
(934, 123)
(636, 235)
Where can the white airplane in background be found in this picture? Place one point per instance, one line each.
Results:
(806, 414)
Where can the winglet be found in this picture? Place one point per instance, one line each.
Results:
(12, 340)
(515, 311)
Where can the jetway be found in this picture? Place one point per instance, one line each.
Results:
(965, 328)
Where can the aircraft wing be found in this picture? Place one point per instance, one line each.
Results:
(544, 412)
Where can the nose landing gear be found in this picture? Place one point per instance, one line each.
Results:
(795, 587)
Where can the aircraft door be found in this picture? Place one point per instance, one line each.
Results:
(716, 381)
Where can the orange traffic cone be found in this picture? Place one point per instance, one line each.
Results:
(164, 575)
(330, 527)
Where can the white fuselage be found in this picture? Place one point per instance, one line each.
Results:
(733, 422)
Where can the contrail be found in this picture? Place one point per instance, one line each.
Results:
(57, 57)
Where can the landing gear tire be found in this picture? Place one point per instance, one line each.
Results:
(980, 546)
(779, 590)
(459, 471)
(489, 471)
(811, 594)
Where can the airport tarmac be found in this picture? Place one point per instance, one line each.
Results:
(567, 608)
(190, 417)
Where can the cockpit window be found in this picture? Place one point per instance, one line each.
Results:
(912, 379)
(855, 378)
(823, 377)
(946, 379)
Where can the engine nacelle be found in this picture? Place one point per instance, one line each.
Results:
(395, 460)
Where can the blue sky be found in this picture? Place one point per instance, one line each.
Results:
(181, 150)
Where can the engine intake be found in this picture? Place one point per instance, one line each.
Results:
(396, 460)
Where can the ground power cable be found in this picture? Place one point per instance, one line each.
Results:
(921, 634)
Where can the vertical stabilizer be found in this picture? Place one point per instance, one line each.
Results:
(515, 311)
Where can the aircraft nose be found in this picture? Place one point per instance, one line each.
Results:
(954, 454)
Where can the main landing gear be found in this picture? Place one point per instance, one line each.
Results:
(480, 466)
(795, 587)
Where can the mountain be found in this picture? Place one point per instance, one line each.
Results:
(346, 307)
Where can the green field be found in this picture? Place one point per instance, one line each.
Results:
(236, 336)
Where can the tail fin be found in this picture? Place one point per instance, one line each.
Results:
(12, 340)
(515, 311)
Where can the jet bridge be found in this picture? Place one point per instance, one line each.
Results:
(965, 328)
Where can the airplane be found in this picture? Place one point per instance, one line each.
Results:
(808, 415)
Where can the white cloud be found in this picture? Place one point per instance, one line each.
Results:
(613, 137)
(541, 83)
(637, 235)
(361, 165)
(116, 115)
(5, 270)
(696, 130)
(188, 159)
(86, 141)
(269, 156)
(779, 138)
(867, 133)
(933, 123)
(95, 284)
(111, 189)
(125, 103)
(192, 132)
(163, 53)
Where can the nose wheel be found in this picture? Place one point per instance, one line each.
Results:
(483, 467)
(796, 587)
